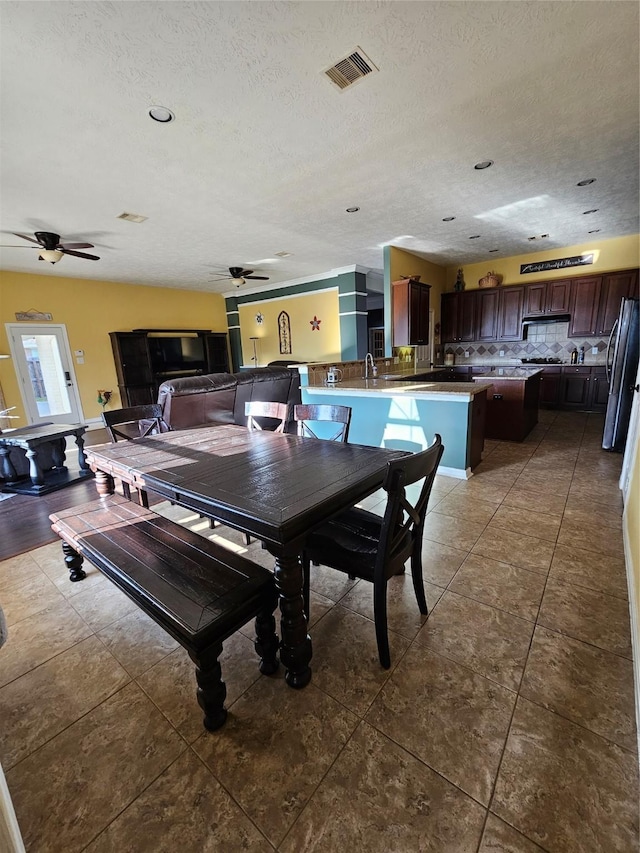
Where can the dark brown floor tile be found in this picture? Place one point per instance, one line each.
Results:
(451, 718)
(589, 686)
(565, 787)
(499, 837)
(591, 570)
(185, 809)
(593, 617)
(137, 642)
(357, 807)
(489, 641)
(454, 532)
(68, 791)
(518, 591)
(403, 615)
(329, 583)
(515, 548)
(44, 701)
(40, 637)
(345, 658)
(440, 562)
(274, 749)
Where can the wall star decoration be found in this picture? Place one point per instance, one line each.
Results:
(315, 324)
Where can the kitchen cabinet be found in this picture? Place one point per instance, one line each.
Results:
(510, 304)
(615, 288)
(410, 301)
(547, 298)
(512, 406)
(595, 303)
(584, 388)
(458, 316)
(487, 315)
(550, 383)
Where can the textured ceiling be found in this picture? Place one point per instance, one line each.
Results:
(265, 155)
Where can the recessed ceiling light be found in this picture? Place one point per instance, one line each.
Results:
(352, 209)
(593, 231)
(448, 218)
(586, 182)
(475, 237)
(283, 254)
(161, 114)
(595, 210)
(484, 164)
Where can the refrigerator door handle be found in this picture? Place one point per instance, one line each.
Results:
(609, 362)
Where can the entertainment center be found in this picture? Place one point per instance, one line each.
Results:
(144, 358)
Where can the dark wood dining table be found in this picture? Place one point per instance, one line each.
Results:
(275, 487)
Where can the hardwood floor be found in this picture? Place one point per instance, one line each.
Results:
(24, 519)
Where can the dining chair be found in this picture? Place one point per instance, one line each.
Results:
(374, 548)
(130, 423)
(262, 409)
(306, 415)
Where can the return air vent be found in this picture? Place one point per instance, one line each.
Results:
(349, 70)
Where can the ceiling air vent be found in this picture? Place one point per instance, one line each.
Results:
(349, 70)
(132, 217)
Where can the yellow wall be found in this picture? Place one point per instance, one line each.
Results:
(621, 253)
(403, 263)
(90, 310)
(306, 345)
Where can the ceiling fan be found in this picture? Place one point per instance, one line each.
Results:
(238, 276)
(51, 249)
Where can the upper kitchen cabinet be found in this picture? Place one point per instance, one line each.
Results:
(615, 287)
(547, 298)
(595, 303)
(458, 316)
(410, 312)
(487, 314)
(510, 305)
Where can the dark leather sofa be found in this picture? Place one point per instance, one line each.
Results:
(219, 398)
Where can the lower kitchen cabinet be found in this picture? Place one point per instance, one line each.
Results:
(583, 388)
(550, 384)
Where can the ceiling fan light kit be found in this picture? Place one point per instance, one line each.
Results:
(50, 248)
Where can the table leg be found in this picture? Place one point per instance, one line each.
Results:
(8, 471)
(35, 471)
(104, 484)
(58, 452)
(295, 643)
(82, 459)
(73, 561)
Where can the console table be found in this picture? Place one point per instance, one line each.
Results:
(31, 440)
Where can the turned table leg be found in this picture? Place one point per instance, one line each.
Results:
(212, 690)
(295, 643)
(82, 459)
(35, 471)
(74, 563)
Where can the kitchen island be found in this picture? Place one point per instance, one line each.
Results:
(512, 402)
(405, 415)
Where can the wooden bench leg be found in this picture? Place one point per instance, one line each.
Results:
(212, 690)
(74, 562)
(267, 643)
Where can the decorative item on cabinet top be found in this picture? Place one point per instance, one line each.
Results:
(490, 280)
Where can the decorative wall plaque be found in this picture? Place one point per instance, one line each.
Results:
(558, 264)
(33, 315)
(284, 333)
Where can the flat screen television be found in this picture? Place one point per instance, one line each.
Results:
(173, 354)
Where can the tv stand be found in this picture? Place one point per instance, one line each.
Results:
(139, 378)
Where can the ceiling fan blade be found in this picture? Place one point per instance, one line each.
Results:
(24, 237)
(18, 247)
(257, 277)
(79, 254)
(236, 272)
(76, 246)
(246, 272)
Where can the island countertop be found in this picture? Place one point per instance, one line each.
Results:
(424, 390)
(508, 373)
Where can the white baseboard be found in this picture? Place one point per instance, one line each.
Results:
(458, 473)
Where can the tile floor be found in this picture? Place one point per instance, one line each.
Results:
(505, 724)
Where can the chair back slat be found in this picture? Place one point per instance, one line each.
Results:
(305, 415)
(403, 523)
(274, 412)
(134, 422)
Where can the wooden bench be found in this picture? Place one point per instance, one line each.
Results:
(198, 591)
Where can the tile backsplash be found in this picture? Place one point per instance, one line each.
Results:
(543, 340)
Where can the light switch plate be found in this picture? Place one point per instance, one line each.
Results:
(466, 355)
(501, 353)
(594, 350)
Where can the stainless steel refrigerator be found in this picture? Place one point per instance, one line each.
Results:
(622, 368)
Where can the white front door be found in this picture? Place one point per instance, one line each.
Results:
(44, 369)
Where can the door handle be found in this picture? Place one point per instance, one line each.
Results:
(67, 377)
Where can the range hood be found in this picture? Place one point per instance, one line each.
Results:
(545, 319)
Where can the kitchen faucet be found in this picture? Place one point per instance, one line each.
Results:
(369, 359)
